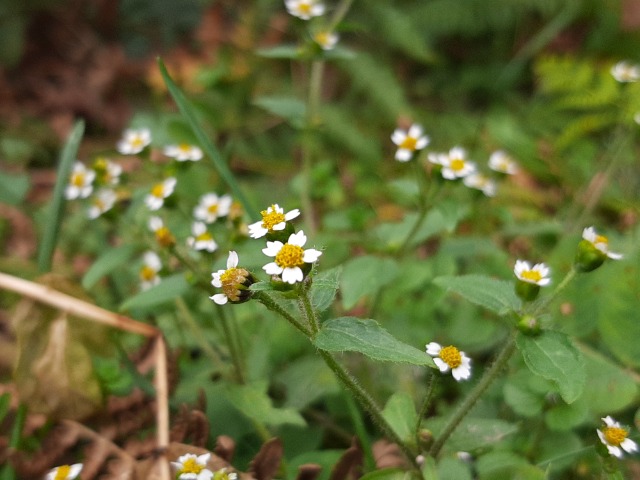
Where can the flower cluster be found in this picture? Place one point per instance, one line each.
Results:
(625, 72)
(450, 358)
(307, 10)
(616, 438)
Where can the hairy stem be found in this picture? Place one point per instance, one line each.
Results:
(433, 380)
(271, 304)
(233, 348)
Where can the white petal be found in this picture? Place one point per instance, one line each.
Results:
(615, 451)
(232, 261)
(75, 470)
(279, 226)
(422, 142)
(220, 298)
(273, 248)
(292, 275)
(441, 364)
(415, 131)
(204, 458)
(311, 255)
(272, 268)
(614, 256)
(433, 349)
(292, 214)
(215, 280)
(298, 239)
(461, 373)
(198, 228)
(610, 422)
(398, 136)
(403, 155)
(629, 445)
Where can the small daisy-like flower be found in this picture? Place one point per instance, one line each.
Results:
(408, 141)
(481, 182)
(326, 40)
(625, 72)
(65, 472)
(502, 162)
(201, 239)
(223, 474)
(273, 219)
(160, 191)
(134, 141)
(450, 358)
(234, 282)
(164, 237)
(151, 265)
(193, 467)
(211, 207)
(537, 275)
(304, 9)
(455, 164)
(80, 182)
(107, 172)
(290, 257)
(600, 242)
(102, 202)
(615, 438)
(183, 152)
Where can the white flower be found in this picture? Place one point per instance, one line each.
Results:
(481, 182)
(289, 257)
(151, 265)
(455, 164)
(615, 438)
(234, 282)
(450, 357)
(273, 219)
(538, 274)
(408, 141)
(438, 158)
(326, 40)
(502, 162)
(64, 472)
(193, 467)
(160, 191)
(134, 141)
(222, 474)
(80, 182)
(183, 152)
(201, 239)
(107, 172)
(211, 207)
(625, 72)
(103, 201)
(600, 242)
(304, 9)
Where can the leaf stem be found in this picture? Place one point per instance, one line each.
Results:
(433, 380)
(465, 407)
(545, 301)
(306, 308)
(271, 304)
(231, 343)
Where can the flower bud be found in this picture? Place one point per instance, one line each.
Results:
(588, 257)
(529, 325)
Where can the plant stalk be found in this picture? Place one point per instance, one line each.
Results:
(433, 380)
(233, 348)
(270, 304)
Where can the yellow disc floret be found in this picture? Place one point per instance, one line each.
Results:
(271, 218)
(62, 473)
(456, 164)
(191, 465)
(290, 256)
(147, 273)
(305, 7)
(77, 179)
(164, 237)
(531, 275)
(409, 143)
(158, 190)
(451, 356)
(231, 280)
(614, 435)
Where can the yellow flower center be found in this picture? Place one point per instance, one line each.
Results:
(100, 164)
(137, 141)
(191, 465)
(456, 164)
(184, 147)
(231, 279)
(322, 38)
(451, 356)
(204, 237)
(531, 275)
(290, 256)
(271, 218)
(147, 273)
(164, 236)
(213, 208)
(409, 143)
(614, 435)
(601, 239)
(304, 7)
(62, 472)
(99, 204)
(158, 190)
(77, 179)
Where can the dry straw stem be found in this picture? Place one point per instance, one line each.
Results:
(81, 309)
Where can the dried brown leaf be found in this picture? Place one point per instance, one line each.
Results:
(266, 463)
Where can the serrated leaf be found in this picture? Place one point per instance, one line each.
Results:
(496, 295)
(551, 355)
(324, 288)
(167, 290)
(364, 276)
(106, 263)
(474, 433)
(291, 109)
(401, 414)
(351, 334)
(252, 400)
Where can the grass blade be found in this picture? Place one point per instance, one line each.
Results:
(67, 158)
(187, 111)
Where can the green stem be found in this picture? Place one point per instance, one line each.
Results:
(339, 13)
(270, 303)
(465, 407)
(307, 308)
(433, 380)
(423, 203)
(198, 333)
(545, 301)
(231, 343)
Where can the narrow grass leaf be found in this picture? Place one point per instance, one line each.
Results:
(352, 334)
(56, 211)
(168, 289)
(107, 263)
(495, 295)
(551, 355)
(188, 112)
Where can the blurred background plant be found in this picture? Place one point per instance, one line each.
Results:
(532, 79)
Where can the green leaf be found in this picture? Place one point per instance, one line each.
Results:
(107, 263)
(452, 467)
(563, 417)
(506, 465)
(364, 276)
(186, 109)
(13, 187)
(307, 380)
(324, 288)
(167, 290)
(386, 474)
(252, 400)
(496, 295)
(522, 400)
(369, 338)
(474, 433)
(56, 212)
(280, 51)
(401, 414)
(552, 356)
(291, 109)
(5, 403)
